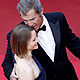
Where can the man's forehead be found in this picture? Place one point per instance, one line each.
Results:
(30, 15)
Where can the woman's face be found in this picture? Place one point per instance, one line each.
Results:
(32, 44)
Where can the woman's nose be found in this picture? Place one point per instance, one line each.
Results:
(37, 39)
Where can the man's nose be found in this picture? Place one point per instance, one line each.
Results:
(29, 23)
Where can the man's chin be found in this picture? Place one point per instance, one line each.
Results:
(36, 28)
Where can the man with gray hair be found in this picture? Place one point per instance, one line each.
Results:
(54, 38)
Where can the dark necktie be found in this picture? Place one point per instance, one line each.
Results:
(42, 28)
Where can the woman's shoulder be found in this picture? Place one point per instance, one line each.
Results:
(25, 72)
(22, 62)
(22, 67)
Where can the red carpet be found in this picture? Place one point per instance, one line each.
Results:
(9, 18)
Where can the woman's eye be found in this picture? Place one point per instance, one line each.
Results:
(34, 39)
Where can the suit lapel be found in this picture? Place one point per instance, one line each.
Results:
(55, 28)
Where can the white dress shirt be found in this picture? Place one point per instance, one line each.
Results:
(47, 40)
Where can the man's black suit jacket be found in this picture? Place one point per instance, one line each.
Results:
(61, 68)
